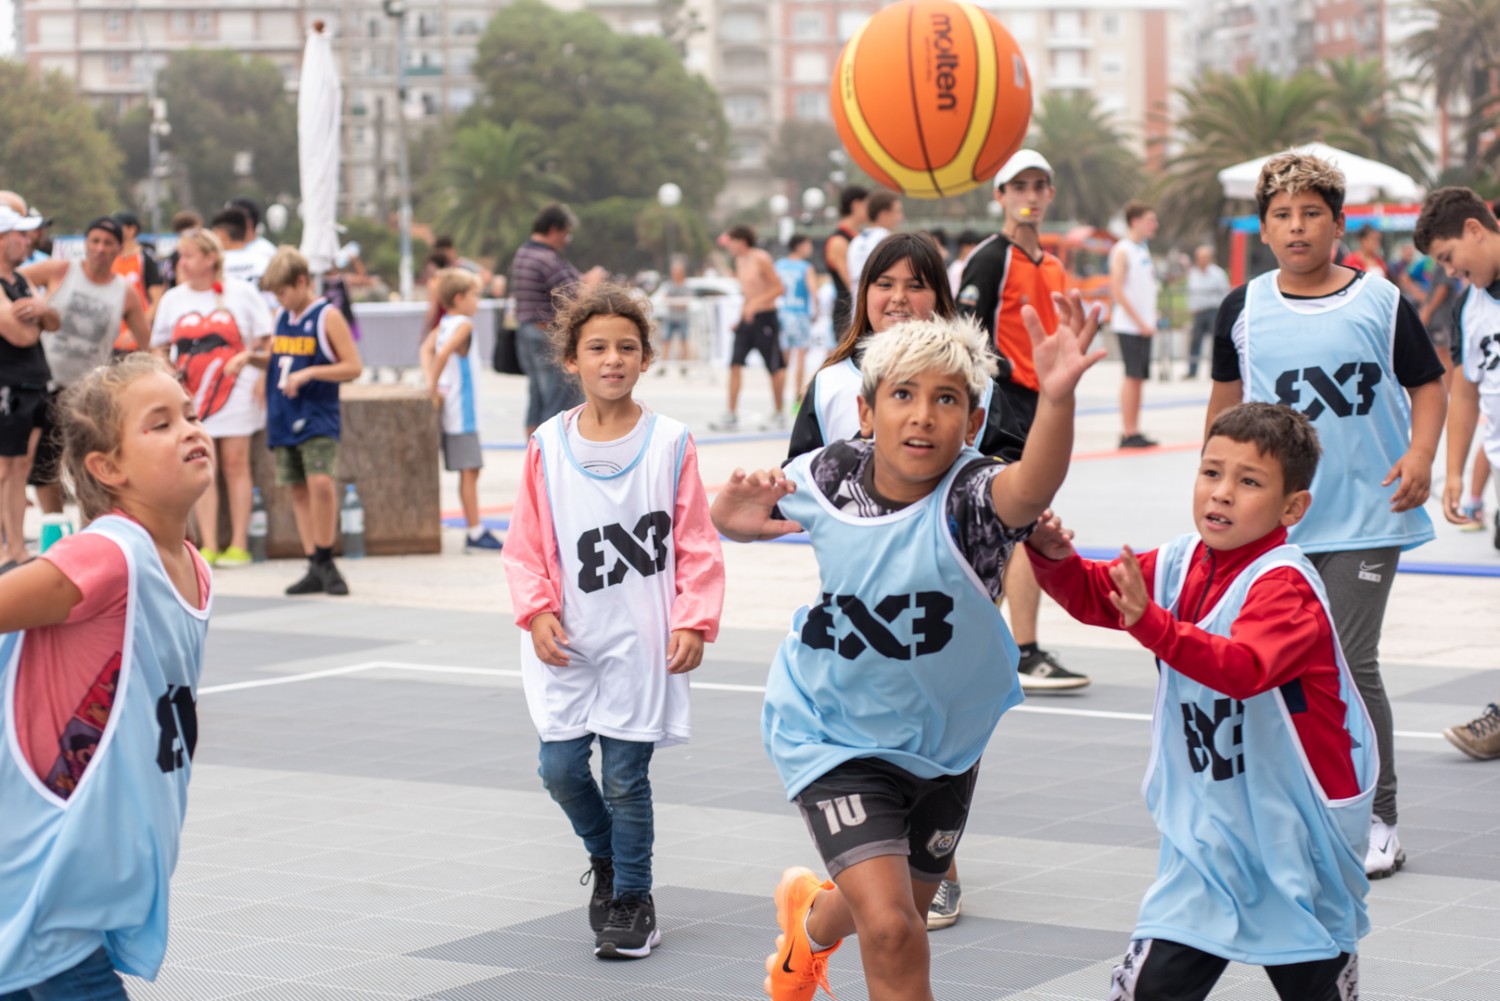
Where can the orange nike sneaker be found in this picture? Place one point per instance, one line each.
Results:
(794, 971)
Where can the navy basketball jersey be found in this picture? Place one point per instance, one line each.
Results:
(301, 342)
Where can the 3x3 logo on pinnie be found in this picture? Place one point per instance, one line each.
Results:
(1326, 391)
(900, 627)
(653, 530)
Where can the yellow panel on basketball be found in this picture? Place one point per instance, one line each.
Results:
(931, 96)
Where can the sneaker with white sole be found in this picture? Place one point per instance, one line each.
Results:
(1385, 856)
(1043, 672)
(946, 905)
(730, 421)
(1478, 738)
(630, 931)
(776, 422)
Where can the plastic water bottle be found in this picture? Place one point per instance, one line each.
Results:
(259, 527)
(352, 524)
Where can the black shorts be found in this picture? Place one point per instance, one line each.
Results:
(46, 466)
(21, 411)
(1159, 970)
(866, 808)
(1012, 414)
(1135, 351)
(762, 332)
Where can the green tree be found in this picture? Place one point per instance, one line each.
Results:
(219, 104)
(1230, 119)
(620, 113)
(54, 153)
(1094, 169)
(1458, 53)
(488, 184)
(1373, 117)
(679, 23)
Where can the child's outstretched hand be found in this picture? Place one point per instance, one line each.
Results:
(1130, 596)
(1062, 358)
(685, 652)
(549, 640)
(1050, 539)
(742, 510)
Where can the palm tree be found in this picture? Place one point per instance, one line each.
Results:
(1373, 116)
(1230, 119)
(1457, 53)
(487, 185)
(1094, 170)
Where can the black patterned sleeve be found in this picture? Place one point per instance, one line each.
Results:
(982, 538)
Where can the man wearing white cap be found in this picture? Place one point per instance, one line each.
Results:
(23, 377)
(1004, 273)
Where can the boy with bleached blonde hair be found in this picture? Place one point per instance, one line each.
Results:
(885, 693)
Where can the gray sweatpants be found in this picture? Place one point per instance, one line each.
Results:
(1359, 585)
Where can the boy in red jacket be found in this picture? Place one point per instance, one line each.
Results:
(1263, 762)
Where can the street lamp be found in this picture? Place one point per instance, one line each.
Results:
(813, 201)
(669, 196)
(780, 205)
(396, 10)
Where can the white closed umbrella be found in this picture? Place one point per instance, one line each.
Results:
(319, 103)
(1365, 180)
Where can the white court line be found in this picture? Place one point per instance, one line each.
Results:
(708, 686)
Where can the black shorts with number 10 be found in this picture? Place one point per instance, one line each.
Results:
(866, 807)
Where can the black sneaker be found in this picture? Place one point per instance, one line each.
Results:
(333, 581)
(630, 931)
(311, 582)
(1043, 672)
(1137, 441)
(602, 872)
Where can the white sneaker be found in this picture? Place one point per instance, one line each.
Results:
(1385, 856)
(729, 422)
(776, 422)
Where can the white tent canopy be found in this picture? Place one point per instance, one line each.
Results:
(318, 104)
(1365, 180)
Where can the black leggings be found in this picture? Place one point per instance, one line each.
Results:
(1158, 970)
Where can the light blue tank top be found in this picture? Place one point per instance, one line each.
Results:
(1257, 865)
(1336, 367)
(93, 869)
(796, 298)
(905, 657)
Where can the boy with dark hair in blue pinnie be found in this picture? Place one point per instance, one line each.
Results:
(1263, 761)
(1345, 349)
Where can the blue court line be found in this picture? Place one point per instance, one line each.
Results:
(1095, 553)
(755, 436)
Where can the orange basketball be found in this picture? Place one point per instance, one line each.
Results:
(931, 97)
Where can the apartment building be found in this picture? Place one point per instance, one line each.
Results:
(98, 43)
(771, 60)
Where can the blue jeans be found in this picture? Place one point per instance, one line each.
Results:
(551, 389)
(94, 979)
(614, 821)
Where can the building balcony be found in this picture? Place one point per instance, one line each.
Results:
(1070, 81)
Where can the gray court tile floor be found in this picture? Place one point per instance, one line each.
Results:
(366, 822)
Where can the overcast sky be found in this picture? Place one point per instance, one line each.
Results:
(7, 27)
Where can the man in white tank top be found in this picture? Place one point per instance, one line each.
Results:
(91, 301)
(1132, 287)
